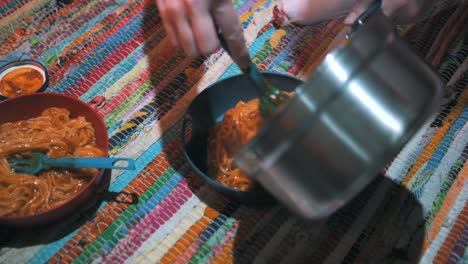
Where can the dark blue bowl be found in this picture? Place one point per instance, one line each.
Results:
(207, 109)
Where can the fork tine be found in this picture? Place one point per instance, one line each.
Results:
(25, 170)
(21, 166)
(20, 162)
(19, 169)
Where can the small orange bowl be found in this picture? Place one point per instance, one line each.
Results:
(30, 106)
(22, 77)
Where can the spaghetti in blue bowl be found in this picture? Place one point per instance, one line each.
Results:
(206, 113)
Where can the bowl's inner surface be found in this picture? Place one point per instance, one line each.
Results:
(209, 107)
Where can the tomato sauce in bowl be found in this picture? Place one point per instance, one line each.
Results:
(21, 78)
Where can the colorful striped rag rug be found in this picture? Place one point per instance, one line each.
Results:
(115, 55)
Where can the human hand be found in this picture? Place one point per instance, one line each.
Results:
(193, 25)
(400, 11)
(306, 12)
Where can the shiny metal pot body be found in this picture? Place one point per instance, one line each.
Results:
(345, 123)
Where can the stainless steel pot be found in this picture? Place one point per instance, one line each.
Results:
(346, 122)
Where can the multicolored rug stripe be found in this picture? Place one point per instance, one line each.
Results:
(115, 55)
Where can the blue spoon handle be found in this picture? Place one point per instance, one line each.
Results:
(100, 163)
(257, 78)
(264, 89)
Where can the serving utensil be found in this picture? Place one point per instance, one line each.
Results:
(270, 97)
(38, 162)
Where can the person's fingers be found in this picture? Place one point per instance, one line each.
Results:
(389, 8)
(168, 26)
(405, 11)
(178, 19)
(203, 27)
(186, 38)
(400, 11)
(228, 22)
(396, 10)
(307, 12)
(358, 9)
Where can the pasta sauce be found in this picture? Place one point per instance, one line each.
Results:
(56, 134)
(21, 81)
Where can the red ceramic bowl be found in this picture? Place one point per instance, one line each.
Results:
(29, 106)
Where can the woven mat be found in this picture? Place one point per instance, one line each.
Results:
(115, 55)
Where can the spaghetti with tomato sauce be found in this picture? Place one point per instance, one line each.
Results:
(239, 125)
(56, 134)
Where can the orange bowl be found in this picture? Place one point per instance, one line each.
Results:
(29, 106)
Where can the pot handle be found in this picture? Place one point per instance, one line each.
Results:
(369, 11)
